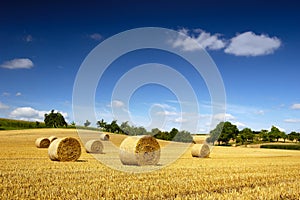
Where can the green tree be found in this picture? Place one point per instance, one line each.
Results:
(114, 127)
(224, 132)
(215, 133)
(293, 136)
(264, 135)
(155, 131)
(101, 124)
(275, 133)
(55, 120)
(183, 136)
(87, 123)
(246, 135)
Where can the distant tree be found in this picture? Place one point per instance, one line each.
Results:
(87, 123)
(125, 128)
(283, 136)
(173, 133)
(54, 119)
(37, 124)
(155, 131)
(246, 135)
(293, 136)
(101, 124)
(224, 132)
(183, 136)
(73, 123)
(264, 135)
(215, 133)
(114, 127)
(275, 133)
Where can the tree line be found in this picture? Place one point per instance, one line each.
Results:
(126, 128)
(226, 132)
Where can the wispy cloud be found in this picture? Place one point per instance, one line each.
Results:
(3, 106)
(18, 63)
(5, 94)
(292, 120)
(96, 36)
(250, 44)
(295, 106)
(18, 94)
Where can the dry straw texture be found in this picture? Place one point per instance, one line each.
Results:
(52, 138)
(42, 143)
(140, 150)
(104, 136)
(64, 149)
(200, 150)
(94, 146)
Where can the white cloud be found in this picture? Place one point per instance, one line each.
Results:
(295, 106)
(167, 113)
(180, 120)
(198, 38)
(223, 116)
(292, 120)
(18, 63)
(96, 36)
(31, 114)
(117, 104)
(3, 106)
(5, 94)
(250, 44)
(260, 112)
(239, 124)
(18, 94)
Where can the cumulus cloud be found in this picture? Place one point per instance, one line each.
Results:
(31, 114)
(117, 104)
(198, 39)
(239, 124)
(96, 36)
(250, 44)
(18, 94)
(292, 120)
(295, 106)
(18, 63)
(3, 106)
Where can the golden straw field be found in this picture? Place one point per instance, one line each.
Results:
(229, 173)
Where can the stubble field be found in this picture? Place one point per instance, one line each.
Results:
(229, 173)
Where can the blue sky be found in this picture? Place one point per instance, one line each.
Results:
(255, 46)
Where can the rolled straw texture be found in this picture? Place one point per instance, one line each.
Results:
(64, 149)
(200, 150)
(139, 150)
(104, 137)
(42, 143)
(52, 138)
(94, 146)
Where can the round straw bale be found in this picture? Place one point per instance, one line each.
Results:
(104, 136)
(139, 150)
(94, 146)
(52, 138)
(200, 150)
(42, 143)
(64, 149)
